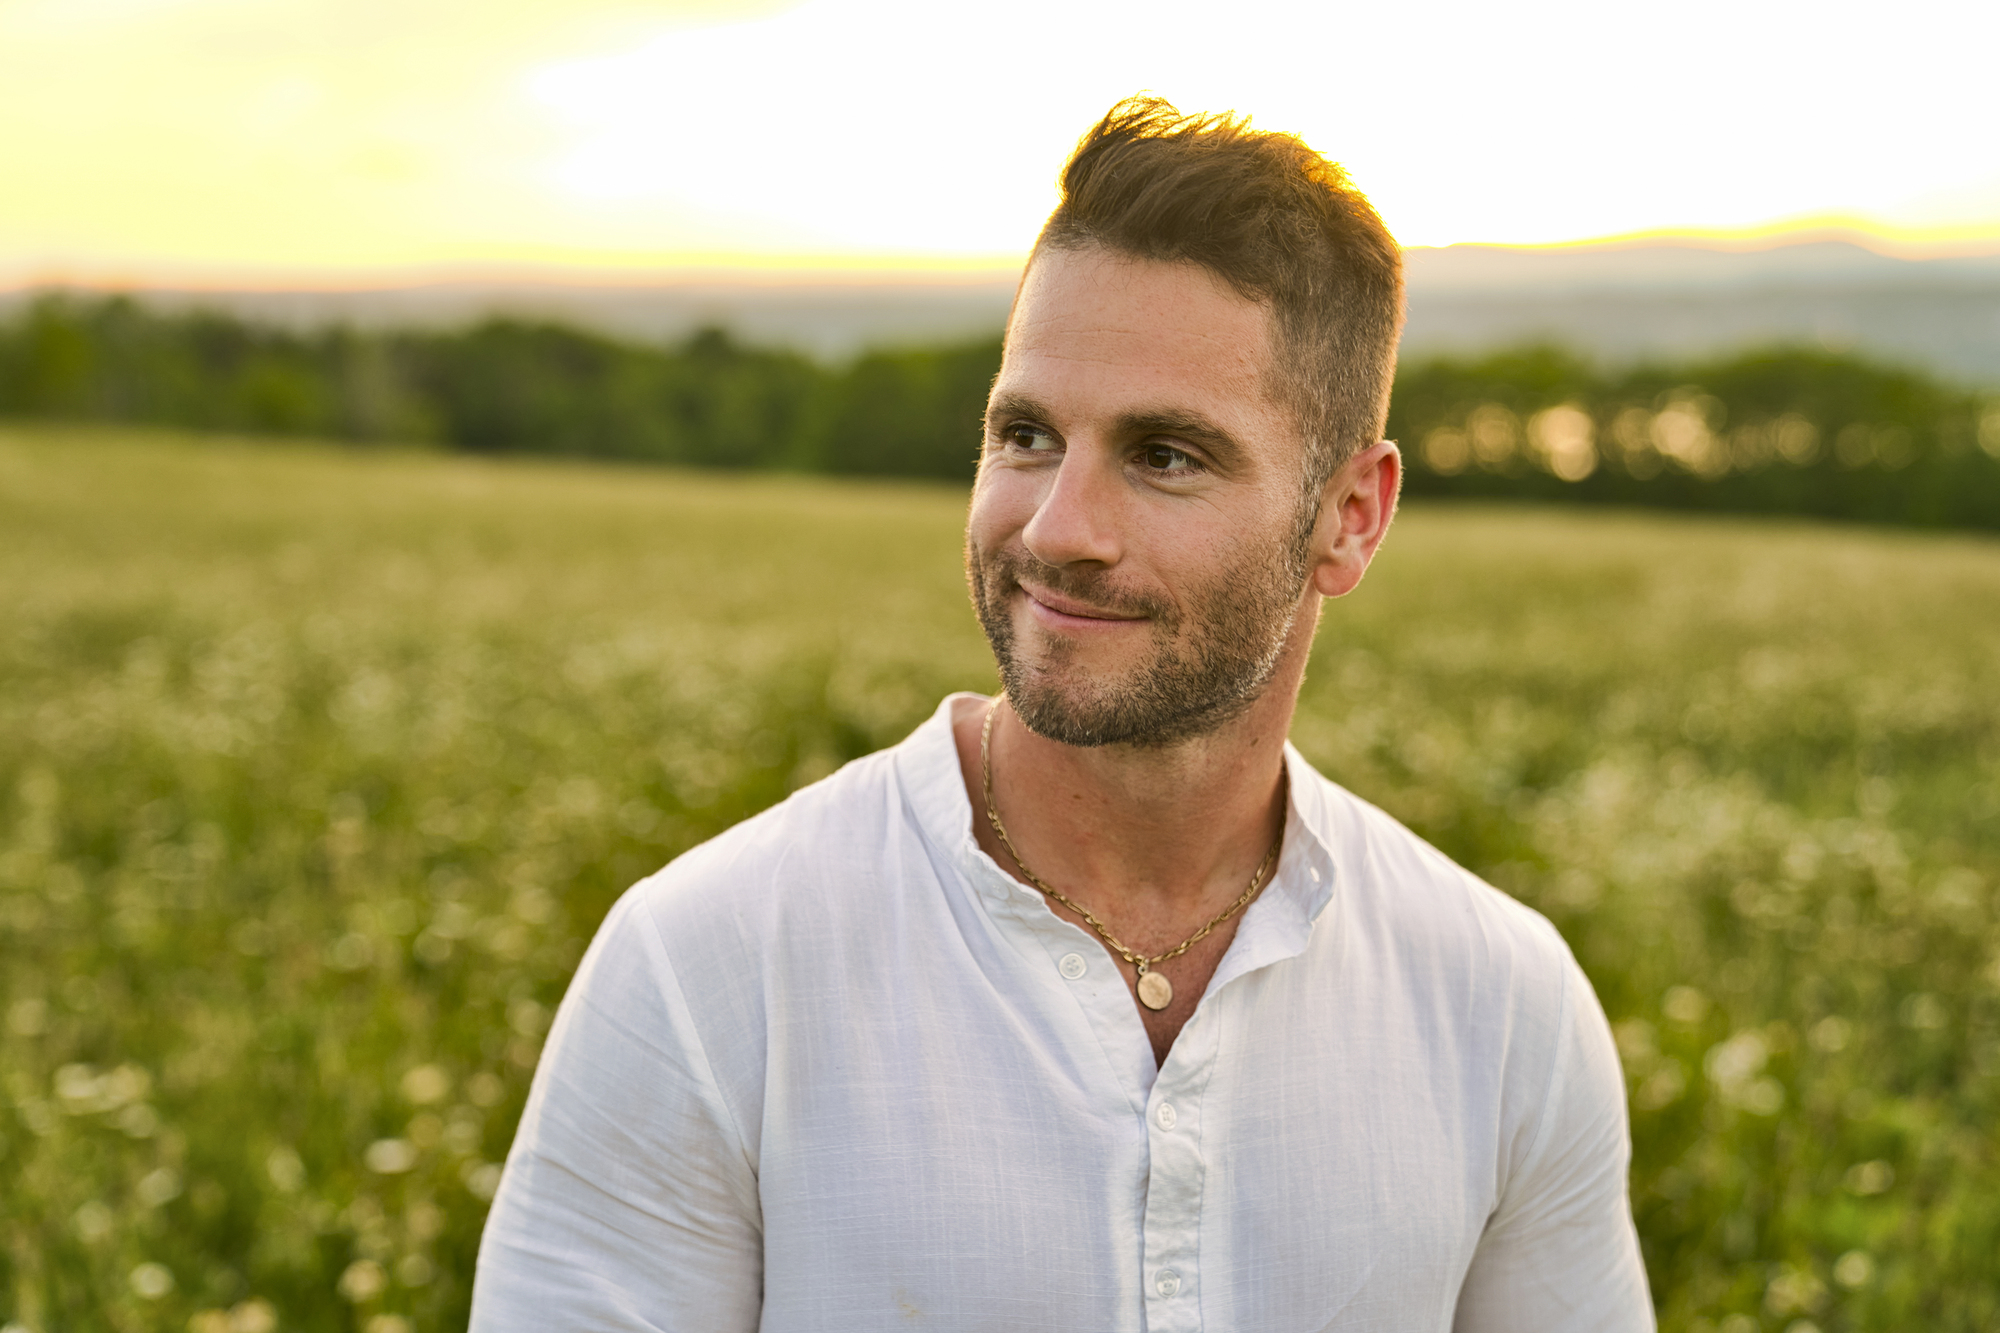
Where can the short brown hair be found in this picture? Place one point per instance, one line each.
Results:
(1276, 221)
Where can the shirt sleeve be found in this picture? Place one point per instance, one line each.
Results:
(1560, 1252)
(629, 1200)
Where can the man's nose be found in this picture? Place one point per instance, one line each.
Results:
(1077, 519)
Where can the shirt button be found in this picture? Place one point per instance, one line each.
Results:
(1072, 966)
(1166, 1282)
(1165, 1115)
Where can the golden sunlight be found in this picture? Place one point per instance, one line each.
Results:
(342, 140)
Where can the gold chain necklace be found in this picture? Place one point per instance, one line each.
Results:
(1155, 991)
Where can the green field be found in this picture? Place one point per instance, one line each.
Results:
(318, 767)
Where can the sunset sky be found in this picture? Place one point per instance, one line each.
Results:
(332, 141)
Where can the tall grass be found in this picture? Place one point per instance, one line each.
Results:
(318, 769)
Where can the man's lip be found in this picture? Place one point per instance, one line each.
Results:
(1072, 609)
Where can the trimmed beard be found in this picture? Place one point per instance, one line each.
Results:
(1189, 687)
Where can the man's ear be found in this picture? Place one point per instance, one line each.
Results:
(1355, 509)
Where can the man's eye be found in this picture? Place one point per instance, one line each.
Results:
(1032, 438)
(1166, 458)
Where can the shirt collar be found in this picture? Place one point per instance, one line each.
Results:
(1275, 926)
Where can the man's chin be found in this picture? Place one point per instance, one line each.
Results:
(1074, 676)
(1057, 707)
(1055, 715)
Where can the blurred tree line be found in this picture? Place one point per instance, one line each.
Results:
(1784, 430)
(1779, 431)
(502, 386)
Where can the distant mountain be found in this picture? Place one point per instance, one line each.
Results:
(1683, 266)
(1617, 303)
(832, 318)
(1620, 304)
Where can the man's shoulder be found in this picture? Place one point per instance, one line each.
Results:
(822, 833)
(1427, 939)
(1402, 892)
(826, 852)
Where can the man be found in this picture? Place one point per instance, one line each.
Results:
(1092, 1006)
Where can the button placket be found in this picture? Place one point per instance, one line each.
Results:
(1081, 969)
(1172, 1224)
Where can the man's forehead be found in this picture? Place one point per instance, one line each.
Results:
(1064, 285)
(1147, 309)
(1135, 327)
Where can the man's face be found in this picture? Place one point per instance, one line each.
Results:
(1136, 546)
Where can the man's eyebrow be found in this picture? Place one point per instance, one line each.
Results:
(1193, 427)
(1014, 407)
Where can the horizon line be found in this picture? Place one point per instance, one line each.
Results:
(919, 270)
(1958, 241)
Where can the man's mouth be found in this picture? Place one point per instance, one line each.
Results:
(1054, 608)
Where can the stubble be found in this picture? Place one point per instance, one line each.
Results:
(1207, 665)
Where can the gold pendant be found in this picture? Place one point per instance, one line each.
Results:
(1155, 991)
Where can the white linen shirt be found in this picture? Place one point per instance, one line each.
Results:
(836, 1069)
